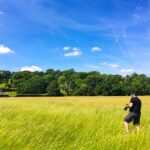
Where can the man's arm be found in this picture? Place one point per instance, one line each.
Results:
(130, 104)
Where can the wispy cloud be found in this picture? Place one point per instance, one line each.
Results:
(110, 65)
(31, 68)
(125, 32)
(5, 50)
(93, 66)
(96, 48)
(127, 70)
(55, 20)
(1, 12)
(136, 17)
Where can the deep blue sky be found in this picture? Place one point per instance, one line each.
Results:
(110, 36)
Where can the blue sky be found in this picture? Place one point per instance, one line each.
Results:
(110, 36)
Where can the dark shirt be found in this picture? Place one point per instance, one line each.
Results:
(136, 108)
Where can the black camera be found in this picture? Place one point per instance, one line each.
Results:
(126, 107)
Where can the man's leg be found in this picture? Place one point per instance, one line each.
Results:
(127, 120)
(136, 122)
(138, 129)
(126, 124)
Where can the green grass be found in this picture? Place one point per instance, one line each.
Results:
(70, 123)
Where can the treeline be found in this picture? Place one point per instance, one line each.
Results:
(69, 82)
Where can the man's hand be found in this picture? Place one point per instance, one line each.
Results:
(126, 107)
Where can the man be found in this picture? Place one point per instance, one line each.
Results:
(134, 113)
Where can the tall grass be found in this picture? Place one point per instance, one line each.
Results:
(70, 123)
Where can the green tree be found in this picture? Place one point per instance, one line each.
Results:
(53, 89)
(18, 78)
(67, 82)
(35, 85)
(92, 80)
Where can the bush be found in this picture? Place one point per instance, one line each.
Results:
(32, 95)
(11, 94)
(8, 90)
(4, 95)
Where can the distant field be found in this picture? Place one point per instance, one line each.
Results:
(70, 123)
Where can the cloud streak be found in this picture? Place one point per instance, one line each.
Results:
(1, 12)
(110, 65)
(123, 30)
(127, 70)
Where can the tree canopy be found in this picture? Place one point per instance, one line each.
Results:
(71, 83)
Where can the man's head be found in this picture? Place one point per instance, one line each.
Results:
(133, 95)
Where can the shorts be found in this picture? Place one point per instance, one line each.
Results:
(133, 117)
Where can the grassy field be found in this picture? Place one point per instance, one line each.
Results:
(70, 123)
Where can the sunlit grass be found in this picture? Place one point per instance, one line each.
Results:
(70, 123)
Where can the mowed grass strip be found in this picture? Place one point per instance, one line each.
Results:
(70, 123)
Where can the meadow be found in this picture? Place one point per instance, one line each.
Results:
(70, 123)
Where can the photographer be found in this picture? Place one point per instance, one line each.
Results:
(134, 113)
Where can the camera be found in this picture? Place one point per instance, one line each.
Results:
(126, 107)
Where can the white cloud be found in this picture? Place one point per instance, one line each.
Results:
(73, 54)
(75, 49)
(5, 50)
(110, 65)
(31, 68)
(127, 70)
(96, 48)
(66, 48)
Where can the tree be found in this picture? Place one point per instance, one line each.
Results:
(67, 82)
(5, 77)
(5, 83)
(35, 85)
(18, 78)
(80, 87)
(53, 89)
(92, 80)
